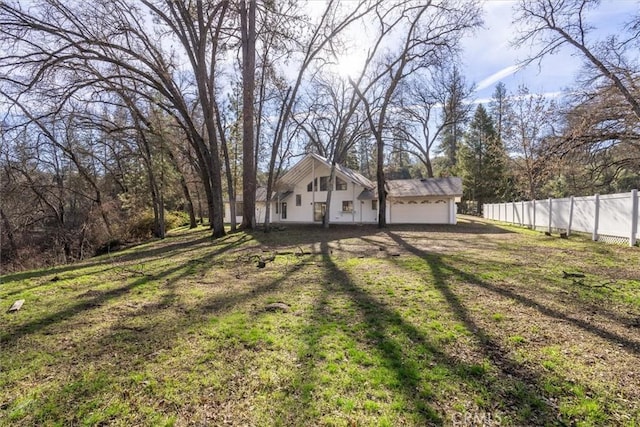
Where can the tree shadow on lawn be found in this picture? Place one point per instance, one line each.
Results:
(97, 299)
(122, 352)
(441, 271)
(118, 264)
(125, 255)
(561, 291)
(303, 234)
(514, 393)
(382, 322)
(110, 358)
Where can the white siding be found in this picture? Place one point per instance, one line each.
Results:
(362, 212)
(260, 213)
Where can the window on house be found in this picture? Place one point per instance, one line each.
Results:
(239, 208)
(324, 183)
(298, 199)
(347, 206)
(284, 210)
(311, 185)
(374, 205)
(341, 185)
(277, 208)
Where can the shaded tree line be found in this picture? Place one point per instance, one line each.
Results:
(114, 108)
(115, 111)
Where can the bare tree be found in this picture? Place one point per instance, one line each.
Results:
(55, 39)
(332, 22)
(531, 126)
(551, 24)
(423, 115)
(335, 126)
(428, 33)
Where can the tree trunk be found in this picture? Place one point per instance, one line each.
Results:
(429, 166)
(382, 193)
(332, 177)
(248, 24)
(272, 173)
(231, 191)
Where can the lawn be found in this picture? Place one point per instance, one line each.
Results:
(474, 324)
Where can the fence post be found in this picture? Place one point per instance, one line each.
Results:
(570, 216)
(513, 213)
(596, 216)
(550, 208)
(521, 213)
(634, 217)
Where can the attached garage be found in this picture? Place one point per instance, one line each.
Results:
(420, 211)
(423, 201)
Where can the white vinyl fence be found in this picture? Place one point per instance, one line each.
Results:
(612, 217)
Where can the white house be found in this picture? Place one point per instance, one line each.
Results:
(301, 194)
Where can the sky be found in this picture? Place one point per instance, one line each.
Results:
(489, 57)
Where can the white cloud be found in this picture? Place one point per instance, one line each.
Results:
(497, 76)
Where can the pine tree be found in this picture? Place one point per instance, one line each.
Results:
(482, 161)
(455, 114)
(500, 109)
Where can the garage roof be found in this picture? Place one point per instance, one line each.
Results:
(451, 186)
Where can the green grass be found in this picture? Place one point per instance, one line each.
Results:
(444, 324)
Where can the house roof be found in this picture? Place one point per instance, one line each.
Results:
(451, 186)
(261, 195)
(367, 194)
(304, 167)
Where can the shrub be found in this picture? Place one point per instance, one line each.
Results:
(175, 219)
(142, 225)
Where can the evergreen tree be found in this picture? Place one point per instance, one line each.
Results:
(455, 114)
(481, 162)
(500, 109)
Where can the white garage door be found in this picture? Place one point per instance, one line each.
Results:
(420, 211)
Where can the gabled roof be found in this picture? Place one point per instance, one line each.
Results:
(304, 167)
(451, 186)
(261, 195)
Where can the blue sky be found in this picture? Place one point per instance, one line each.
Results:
(489, 58)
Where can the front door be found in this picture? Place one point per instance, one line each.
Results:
(319, 209)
